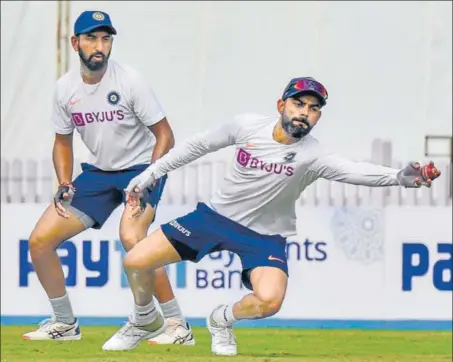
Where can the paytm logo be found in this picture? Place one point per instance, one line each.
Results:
(87, 264)
(418, 261)
(96, 257)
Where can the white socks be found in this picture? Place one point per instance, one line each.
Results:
(62, 309)
(171, 309)
(147, 314)
(223, 316)
(144, 315)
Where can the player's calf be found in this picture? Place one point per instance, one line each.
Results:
(260, 304)
(267, 308)
(49, 232)
(269, 288)
(256, 306)
(140, 262)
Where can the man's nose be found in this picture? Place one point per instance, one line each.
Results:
(99, 47)
(303, 115)
(304, 111)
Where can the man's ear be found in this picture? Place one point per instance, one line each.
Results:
(75, 43)
(280, 105)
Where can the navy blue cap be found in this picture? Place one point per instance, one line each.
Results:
(307, 85)
(91, 20)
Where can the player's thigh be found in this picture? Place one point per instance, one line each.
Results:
(95, 198)
(134, 229)
(152, 252)
(51, 229)
(188, 237)
(269, 284)
(195, 234)
(264, 263)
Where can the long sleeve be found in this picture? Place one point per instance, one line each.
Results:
(336, 168)
(196, 147)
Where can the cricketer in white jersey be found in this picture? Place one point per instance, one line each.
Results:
(266, 177)
(111, 116)
(124, 127)
(253, 211)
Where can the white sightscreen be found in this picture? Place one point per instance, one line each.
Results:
(387, 66)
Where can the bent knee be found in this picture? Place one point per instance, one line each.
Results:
(134, 261)
(268, 306)
(129, 238)
(38, 244)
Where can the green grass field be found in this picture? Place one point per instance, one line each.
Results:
(264, 345)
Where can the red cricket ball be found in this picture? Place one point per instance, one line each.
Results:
(430, 172)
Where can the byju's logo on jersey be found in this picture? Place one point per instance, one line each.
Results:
(245, 159)
(113, 98)
(82, 119)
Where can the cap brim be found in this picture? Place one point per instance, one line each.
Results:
(97, 26)
(310, 92)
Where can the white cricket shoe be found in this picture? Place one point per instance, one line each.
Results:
(223, 341)
(177, 332)
(50, 329)
(130, 335)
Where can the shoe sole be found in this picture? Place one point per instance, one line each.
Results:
(224, 354)
(187, 343)
(148, 336)
(66, 338)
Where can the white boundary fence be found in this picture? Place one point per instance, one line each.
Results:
(31, 181)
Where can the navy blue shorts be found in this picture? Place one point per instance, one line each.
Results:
(204, 231)
(99, 192)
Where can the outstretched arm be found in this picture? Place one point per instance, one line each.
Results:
(188, 151)
(336, 168)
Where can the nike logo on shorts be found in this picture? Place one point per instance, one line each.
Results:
(276, 259)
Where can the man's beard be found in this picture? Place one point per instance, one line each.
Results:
(294, 130)
(94, 65)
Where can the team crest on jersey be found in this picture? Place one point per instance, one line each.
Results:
(113, 98)
(289, 157)
(98, 16)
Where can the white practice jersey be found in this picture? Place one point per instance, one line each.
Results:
(112, 116)
(266, 177)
